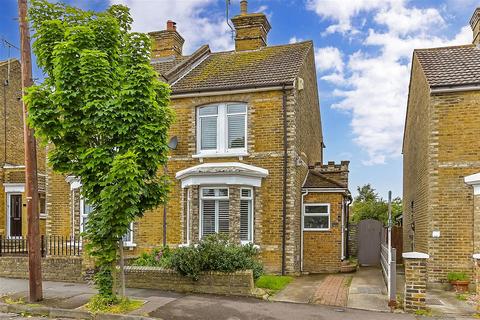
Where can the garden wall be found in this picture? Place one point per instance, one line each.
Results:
(236, 283)
(53, 268)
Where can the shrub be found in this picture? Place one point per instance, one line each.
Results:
(156, 258)
(457, 276)
(216, 253)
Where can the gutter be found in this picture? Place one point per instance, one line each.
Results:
(229, 91)
(454, 89)
(284, 198)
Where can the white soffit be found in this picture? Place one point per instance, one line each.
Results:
(474, 180)
(225, 173)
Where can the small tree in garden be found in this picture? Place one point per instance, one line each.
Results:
(106, 116)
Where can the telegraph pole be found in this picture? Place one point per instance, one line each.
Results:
(31, 183)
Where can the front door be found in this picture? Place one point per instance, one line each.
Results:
(15, 215)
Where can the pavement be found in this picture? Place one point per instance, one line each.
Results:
(368, 290)
(175, 306)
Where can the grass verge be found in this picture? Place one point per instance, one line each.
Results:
(122, 306)
(273, 283)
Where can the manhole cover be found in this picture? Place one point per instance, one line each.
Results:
(433, 302)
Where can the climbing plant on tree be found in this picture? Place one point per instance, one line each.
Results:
(106, 116)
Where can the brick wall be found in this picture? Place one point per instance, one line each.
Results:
(53, 268)
(236, 283)
(415, 284)
(322, 249)
(441, 147)
(416, 163)
(352, 239)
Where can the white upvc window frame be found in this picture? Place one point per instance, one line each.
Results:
(130, 243)
(216, 198)
(222, 132)
(251, 216)
(305, 214)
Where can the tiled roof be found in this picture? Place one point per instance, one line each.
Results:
(450, 66)
(316, 179)
(268, 66)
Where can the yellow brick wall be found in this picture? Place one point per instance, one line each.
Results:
(322, 249)
(416, 162)
(455, 154)
(441, 147)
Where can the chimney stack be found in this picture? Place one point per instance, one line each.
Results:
(167, 43)
(475, 24)
(251, 29)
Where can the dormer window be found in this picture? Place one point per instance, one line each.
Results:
(222, 130)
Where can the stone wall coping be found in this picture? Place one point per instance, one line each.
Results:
(167, 271)
(415, 255)
(476, 256)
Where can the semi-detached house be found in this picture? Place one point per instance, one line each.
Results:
(246, 155)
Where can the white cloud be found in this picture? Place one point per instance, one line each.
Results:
(195, 23)
(343, 11)
(295, 40)
(374, 84)
(328, 58)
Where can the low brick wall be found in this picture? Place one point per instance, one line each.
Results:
(53, 268)
(236, 283)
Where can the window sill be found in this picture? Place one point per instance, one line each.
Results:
(129, 245)
(220, 155)
(321, 230)
(43, 216)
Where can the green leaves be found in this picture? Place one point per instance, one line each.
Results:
(369, 205)
(106, 115)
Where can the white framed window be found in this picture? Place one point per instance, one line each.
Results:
(246, 215)
(316, 216)
(214, 211)
(222, 129)
(86, 209)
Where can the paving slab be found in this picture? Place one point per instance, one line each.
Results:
(368, 290)
(301, 289)
(446, 302)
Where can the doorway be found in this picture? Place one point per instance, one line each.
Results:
(14, 209)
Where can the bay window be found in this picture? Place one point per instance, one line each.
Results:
(214, 216)
(246, 215)
(222, 129)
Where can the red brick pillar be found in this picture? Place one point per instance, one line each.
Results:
(476, 271)
(415, 280)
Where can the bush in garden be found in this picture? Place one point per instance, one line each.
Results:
(216, 253)
(157, 258)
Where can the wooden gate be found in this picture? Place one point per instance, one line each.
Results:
(369, 240)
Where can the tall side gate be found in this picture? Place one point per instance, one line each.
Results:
(369, 236)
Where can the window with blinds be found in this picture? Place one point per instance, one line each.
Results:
(214, 211)
(222, 129)
(246, 215)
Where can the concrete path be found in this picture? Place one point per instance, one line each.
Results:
(368, 290)
(301, 289)
(173, 306)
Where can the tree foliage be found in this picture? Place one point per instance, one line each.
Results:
(369, 205)
(106, 115)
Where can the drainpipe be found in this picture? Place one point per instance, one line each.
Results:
(347, 218)
(342, 254)
(284, 200)
(301, 229)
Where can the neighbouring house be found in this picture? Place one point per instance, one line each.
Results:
(246, 155)
(441, 147)
(13, 218)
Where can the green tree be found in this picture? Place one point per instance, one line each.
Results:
(369, 205)
(106, 116)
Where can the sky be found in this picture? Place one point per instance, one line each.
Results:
(363, 51)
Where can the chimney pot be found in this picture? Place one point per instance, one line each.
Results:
(171, 26)
(243, 7)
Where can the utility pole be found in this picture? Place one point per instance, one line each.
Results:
(31, 183)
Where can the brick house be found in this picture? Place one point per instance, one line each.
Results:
(247, 159)
(13, 216)
(441, 147)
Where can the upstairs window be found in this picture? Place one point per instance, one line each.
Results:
(222, 129)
